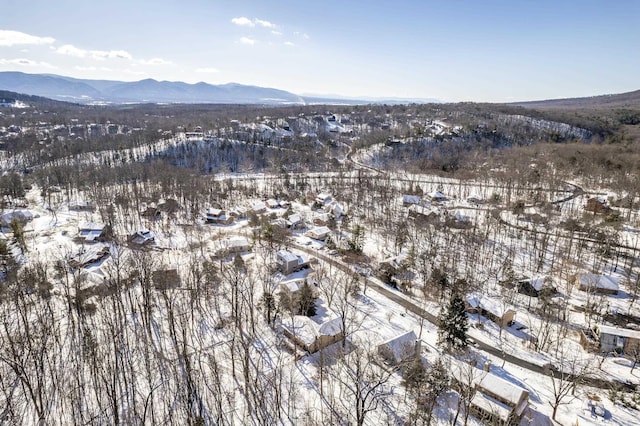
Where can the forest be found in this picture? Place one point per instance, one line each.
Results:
(364, 264)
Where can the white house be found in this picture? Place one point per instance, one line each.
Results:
(318, 233)
(290, 262)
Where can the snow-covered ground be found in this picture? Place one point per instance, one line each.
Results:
(204, 342)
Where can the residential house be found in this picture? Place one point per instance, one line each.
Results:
(311, 335)
(335, 210)
(272, 203)
(90, 232)
(218, 216)
(409, 200)
(437, 196)
(323, 198)
(490, 308)
(534, 286)
(81, 205)
(319, 233)
(458, 220)
(21, 216)
(495, 400)
(620, 340)
(296, 221)
(234, 244)
(475, 199)
(597, 205)
(142, 237)
(88, 255)
(594, 283)
(258, 207)
(395, 271)
(425, 214)
(400, 348)
(292, 288)
(321, 219)
(290, 262)
(238, 212)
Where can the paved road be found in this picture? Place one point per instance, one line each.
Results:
(394, 295)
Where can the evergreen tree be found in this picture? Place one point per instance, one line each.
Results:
(307, 301)
(453, 325)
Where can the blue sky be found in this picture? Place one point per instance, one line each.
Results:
(453, 50)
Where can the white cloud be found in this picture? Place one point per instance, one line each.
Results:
(247, 41)
(278, 33)
(79, 68)
(26, 63)
(264, 23)
(77, 52)
(12, 38)
(155, 61)
(70, 50)
(304, 36)
(243, 22)
(207, 70)
(288, 43)
(110, 54)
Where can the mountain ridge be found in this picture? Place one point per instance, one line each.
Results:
(65, 88)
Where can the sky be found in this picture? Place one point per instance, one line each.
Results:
(451, 50)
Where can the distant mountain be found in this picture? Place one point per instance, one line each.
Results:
(8, 98)
(149, 90)
(621, 100)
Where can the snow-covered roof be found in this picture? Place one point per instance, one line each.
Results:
(622, 332)
(214, 212)
(460, 217)
(286, 256)
(402, 346)
(475, 198)
(258, 206)
(142, 236)
(424, 210)
(333, 327)
(91, 226)
(319, 230)
(488, 382)
(489, 304)
(590, 280)
(437, 195)
(323, 197)
(235, 242)
(293, 285)
(537, 282)
(19, 215)
(295, 219)
(491, 405)
(411, 199)
(307, 330)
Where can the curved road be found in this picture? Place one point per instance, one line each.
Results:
(393, 295)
